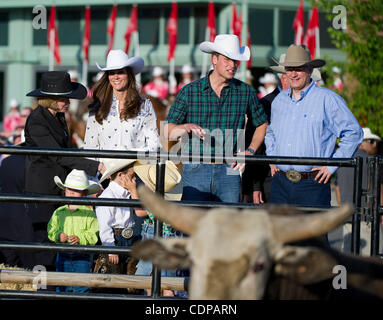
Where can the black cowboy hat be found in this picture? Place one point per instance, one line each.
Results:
(58, 84)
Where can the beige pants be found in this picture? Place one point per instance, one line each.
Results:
(365, 238)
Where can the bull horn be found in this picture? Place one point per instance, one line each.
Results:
(305, 226)
(181, 218)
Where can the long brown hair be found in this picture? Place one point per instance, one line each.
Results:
(103, 94)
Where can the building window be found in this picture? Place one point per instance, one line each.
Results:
(200, 18)
(261, 26)
(286, 31)
(324, 36)
(4, 19)
(69, 30)
(184, 15)
(148, 24)
(98, 23)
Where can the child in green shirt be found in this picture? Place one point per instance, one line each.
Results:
(74, 224)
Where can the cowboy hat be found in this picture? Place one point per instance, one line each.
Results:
(279, 68)
(268, 78)
(78, 180)
(113, 165)
(173, 184)
(227, 45)
(186, 68)
(58, 84)
(297, 55)
(157, 71)
(368, 135)
(118, 59)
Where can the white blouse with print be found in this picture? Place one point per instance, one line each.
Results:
(135, 133)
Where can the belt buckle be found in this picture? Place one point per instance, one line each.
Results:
(127, 233)
(293, 176)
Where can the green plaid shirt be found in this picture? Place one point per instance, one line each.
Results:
(198, 103)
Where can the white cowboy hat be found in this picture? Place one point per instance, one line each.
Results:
(14, 103)
(157, 71)
(279, 68)
(113, 165)
(186, 68)
(173, 175)
(118, 59)
(268, 78)
(316, 75)
(367, 134)
(227, 45)
(78, 180)
(299, 55)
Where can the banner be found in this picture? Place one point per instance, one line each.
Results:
(132, 27)
(172, 29)
(53, 40)
(311, 39)
(298, 24)
(110, 28)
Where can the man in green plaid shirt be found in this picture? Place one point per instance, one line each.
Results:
(213, 111)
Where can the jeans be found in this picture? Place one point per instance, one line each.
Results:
(144, 268)
(73, 262)
(306, 192)
(211, 182)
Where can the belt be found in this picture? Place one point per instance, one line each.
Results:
(126, 233)
(295, 176)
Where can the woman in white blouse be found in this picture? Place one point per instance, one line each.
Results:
(119, 117)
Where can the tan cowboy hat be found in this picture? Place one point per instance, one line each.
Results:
(297, 55)
(227, 45)
(279, 68)
(78, 180)
(118, 59)
(173, 184)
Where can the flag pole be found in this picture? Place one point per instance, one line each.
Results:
(245, 12)
(51, 49)
(137, 54)
(205, 56)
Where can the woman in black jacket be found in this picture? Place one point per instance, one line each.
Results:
(46, 128)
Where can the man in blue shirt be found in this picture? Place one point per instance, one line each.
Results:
(306, 121)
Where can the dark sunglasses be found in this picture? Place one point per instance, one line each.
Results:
(113, 72)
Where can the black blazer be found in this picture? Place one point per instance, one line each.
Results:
(44, 130)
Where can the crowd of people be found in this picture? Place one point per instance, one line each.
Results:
(215, 118)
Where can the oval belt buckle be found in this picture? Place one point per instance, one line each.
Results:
(293, 176)
(127, 233)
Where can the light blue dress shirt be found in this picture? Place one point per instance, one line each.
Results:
(310, 126)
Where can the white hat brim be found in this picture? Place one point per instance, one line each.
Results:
(136, 63)
(92, 188)
(211, 47)
(122, 163)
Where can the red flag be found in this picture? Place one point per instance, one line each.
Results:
(52, 33)
(110, 28)
(172, 29)
(132, 27)
(236, 23)
(312, 33)
(211, 21)
(298, 24)
(86, 40)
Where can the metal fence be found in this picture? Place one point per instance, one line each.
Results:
(371, 213)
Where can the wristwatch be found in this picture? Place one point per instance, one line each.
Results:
(252, 151)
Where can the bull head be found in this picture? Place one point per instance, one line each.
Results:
(230, 252)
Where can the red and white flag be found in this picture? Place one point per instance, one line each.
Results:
(110, 28)
(132, 27)
(311, 39)
(53, 39)
(172, 29)
(298, 24)
(86, 39)
(236, 23)
(211, 21)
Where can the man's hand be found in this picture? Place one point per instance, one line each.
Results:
(113, 258)
(273, 169)
(323, 175)
(73, 239)
(63, 237)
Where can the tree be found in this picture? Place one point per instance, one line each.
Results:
(360, 36)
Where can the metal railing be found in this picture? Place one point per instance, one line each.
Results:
(160, 158)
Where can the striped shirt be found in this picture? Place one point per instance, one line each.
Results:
(222, 117)
(310, 126)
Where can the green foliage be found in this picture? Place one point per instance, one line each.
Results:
(362, 41)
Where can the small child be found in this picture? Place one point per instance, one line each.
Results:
(74, 224)
(117, 224)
